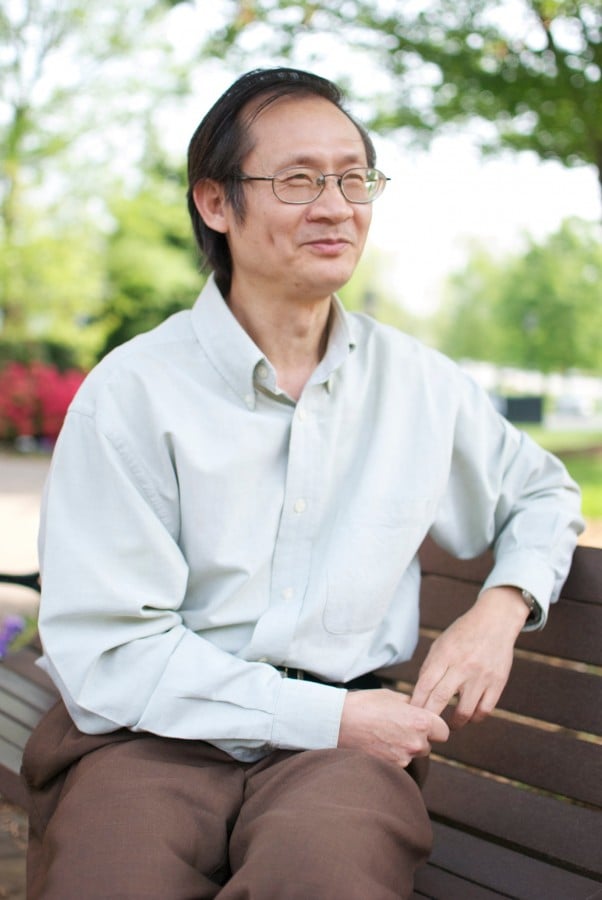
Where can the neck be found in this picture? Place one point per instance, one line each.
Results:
(292, 335)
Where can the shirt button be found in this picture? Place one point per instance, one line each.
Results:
(250, 401)
(300, 505)
(288, 593)
(302, 414)
(262, 371)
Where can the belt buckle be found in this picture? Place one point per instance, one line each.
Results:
(287, 671)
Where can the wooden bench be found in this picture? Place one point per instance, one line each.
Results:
(515, 801)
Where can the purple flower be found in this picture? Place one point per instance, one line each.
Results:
(10, 628)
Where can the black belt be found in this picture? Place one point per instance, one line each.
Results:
(368, 682)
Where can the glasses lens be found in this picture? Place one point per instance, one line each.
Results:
(298, 185)
(362, 185)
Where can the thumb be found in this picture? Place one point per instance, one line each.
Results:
(439, 730)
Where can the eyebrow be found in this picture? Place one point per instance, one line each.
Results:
(345, 162)
(303, 159)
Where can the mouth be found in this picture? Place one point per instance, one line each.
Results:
(330, 246)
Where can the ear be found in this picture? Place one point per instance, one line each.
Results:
(211, 204)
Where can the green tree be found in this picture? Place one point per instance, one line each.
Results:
(72, 73)
(151, 264)
(539, 309)
(57, 274)
(530, 68)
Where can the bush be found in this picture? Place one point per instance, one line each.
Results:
(34, 400)
(51, 353)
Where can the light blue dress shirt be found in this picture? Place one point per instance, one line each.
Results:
(199, 527)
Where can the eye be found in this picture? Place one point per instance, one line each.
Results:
(357, 177)
(297, 178)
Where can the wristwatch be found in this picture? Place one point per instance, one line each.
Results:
(532, 604)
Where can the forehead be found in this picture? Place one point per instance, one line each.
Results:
(303, 130)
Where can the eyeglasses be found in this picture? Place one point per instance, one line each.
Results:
(304, 184)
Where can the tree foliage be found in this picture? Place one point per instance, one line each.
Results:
(57, 279)
(539, 309)
(530, 68)
(66, 94)
(151, 265)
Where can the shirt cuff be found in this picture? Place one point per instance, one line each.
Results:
(307, 715)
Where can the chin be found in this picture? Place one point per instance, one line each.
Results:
(333, 281)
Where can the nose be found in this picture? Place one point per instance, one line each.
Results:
(331, 203)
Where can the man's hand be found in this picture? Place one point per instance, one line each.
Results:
(472, 658)
(384, 724)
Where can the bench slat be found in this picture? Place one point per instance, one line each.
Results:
(13, 732)
(19, 709)
(546, 827)
(531, 756)
(10, 757)
(24, 663)
(438, 883)
(12, 787)
(22, 687)
(565, 697)
(583, 582)
(501, 869)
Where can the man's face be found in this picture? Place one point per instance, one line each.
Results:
(304, 252)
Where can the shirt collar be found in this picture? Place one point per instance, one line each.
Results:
(227, 345)
(235, 355)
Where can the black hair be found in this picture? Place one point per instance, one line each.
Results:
(222, 140)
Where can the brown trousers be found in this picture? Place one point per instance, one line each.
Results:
(122, 816)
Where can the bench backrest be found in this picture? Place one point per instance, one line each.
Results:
(531, 775)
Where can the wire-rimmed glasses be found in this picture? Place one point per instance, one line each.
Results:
(304, 184)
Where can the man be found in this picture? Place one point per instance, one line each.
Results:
(229, 546)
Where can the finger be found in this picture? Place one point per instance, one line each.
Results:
(475, 705)
(468, 703)
(428, 678)
(442, 693)
(487, 704)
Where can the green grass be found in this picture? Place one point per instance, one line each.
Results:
(557, 441)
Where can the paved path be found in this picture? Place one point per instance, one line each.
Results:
(21, 484)
(13, 845)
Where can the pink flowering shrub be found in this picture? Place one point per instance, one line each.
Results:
(34, 399)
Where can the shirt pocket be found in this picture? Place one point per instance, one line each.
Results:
(366, 566)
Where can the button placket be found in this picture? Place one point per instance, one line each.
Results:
(291, 561)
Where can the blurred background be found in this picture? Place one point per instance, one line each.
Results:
(486, 114)
(487, 117)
